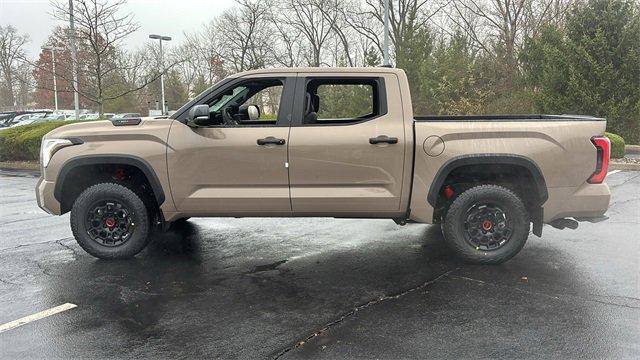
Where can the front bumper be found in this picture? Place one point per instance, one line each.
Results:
(46, 199)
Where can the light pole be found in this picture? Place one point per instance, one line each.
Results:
(53, 61)
(161, 38)
(74, 60)
(386, 33)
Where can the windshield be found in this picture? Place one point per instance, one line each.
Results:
(217, 105)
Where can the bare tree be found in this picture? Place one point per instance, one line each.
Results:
(314, 20)
(505, 21)
(367, 27)
(407, 19)
(11, 54)
(336, 14)
(287, 50)
(545, 12)
(245, 35)
(192, 66)
(499, 27)
(202, 58)
(103, 27)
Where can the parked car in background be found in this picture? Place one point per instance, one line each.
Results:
(30, 121)
(89, 117)
(19, 118)
(56, 117)
(6, 118)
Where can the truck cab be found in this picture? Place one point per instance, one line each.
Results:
(308, 152)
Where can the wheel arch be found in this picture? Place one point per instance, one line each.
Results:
(108, 159)
(488, 159)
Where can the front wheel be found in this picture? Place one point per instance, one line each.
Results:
(486, 224)
(110, 221)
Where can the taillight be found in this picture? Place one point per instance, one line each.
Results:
(603, 148)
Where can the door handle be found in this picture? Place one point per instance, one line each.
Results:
(383, 139)
(270, 140)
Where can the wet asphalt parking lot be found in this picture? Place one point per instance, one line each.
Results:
(318, 288)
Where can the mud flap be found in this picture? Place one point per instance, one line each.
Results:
(536, 219)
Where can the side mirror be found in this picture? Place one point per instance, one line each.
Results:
(254, 112)
(198, 116)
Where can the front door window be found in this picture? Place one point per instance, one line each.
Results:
(255, 102)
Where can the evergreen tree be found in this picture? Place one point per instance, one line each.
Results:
(592, 67)
(176, 93)
(372, 58)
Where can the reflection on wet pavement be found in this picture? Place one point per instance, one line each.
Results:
(335, 288)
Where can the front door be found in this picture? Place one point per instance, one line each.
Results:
(236, 163)
(347, 146)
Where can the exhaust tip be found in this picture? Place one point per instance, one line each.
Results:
(564, 223)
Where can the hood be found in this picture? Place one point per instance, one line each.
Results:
(105, 128)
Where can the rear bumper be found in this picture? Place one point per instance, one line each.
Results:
(45, 198)
(588, 201)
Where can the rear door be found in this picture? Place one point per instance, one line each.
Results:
(237, 164)
(346, 146)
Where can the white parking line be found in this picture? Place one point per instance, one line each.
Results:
(613, 172)
(37, 316)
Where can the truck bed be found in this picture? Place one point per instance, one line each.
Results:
(559, 145)
(507, 117)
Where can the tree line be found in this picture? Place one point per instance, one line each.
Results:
(461, 56)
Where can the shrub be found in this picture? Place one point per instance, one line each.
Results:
(617, 145)
(22, 143)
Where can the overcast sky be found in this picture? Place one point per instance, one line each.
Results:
(165, 17)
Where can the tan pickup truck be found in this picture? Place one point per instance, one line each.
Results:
(326, 142)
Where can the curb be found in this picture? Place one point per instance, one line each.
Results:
(632, 149)
(624, 166)
(20, 165)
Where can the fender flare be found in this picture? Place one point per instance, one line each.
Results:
(119, 159)
(488, 159)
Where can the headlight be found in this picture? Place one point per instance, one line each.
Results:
(50, 146)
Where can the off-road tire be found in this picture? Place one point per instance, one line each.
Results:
(454, 224)
(139, 213)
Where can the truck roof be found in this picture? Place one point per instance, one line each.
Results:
(353, 70)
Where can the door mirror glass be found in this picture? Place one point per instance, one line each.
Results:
(253, 112)
(198, 116)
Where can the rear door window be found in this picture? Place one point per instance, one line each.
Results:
(341, 101)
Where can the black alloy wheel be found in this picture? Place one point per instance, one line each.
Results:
(487, 227)
(486, 224)
(110, 223)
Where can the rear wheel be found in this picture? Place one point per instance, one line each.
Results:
(486, 224)
(110, 221)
